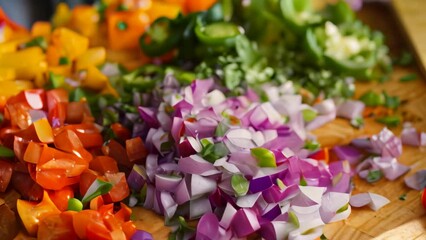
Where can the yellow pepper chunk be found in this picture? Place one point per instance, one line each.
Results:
(94, 79)
(27, 63)
(41, 29)
(66, 43)
(62, 15)
(7, 74)
(84, 20)
(32, 212)
(12, 45)
(11, 88)
(43, 130)
(92, 57)
(163, 9)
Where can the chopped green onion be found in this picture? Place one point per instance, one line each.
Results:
(64, 61)
(6, 152)
(390, 121)
(374, 176)
(75, 205)
(372, 99)
(344, 208)
(357, 122)
(97, 188)
(292, 217)
(391, 102)
(37, 42)
(122, 25)
(280, 184)
(240, 184)
(405, 59)
(403, 197)
(264, 157)
(312, 145)
(309, 115)
(303, 182)
(55, 80)
(408, 77)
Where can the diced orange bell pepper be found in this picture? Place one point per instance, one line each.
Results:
(137, 4)
(57, 226)
(60, 197)
(32, 213)
(197, 5)
(41, 28)
(85, 20)
(33, 152)
(120, 189)
(125, 28)
(82, 219)
(92, 57)
(27, 63)
(104, 164)
(163, 9)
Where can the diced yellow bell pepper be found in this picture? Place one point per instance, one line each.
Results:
(64, 70)
(27, 63)
(11, 88)
(12, 45)
(94, 79)
(65, 43)
(163, 9)
(62, 15)
(92, 57)
(85, 20)
(7, 74)
(43, 130)
(41, 28)
(108, 89)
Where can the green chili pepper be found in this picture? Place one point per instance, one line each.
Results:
(218, 34)
(339, 12)
(264, 157)
(390, 121)
(240, 184)
(97, 188)
(64, 61)
(75, 205)
(122, 25)
(37, 42)
(408, 77)
(161, 37)
(6, 152)
(298, 15)
(372, 99)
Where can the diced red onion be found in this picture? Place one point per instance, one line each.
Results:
(350, 109)
(374, 201)
(141, 235)
(245, 222)
(417, 181)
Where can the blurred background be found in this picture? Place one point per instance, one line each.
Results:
(26, 12)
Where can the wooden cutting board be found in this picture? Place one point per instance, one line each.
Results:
(399, 219)
(411, 15)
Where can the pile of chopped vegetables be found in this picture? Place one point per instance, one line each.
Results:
(196, 110)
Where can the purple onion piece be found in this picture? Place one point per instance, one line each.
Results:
(141, 235)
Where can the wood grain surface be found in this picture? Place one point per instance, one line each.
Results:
(411, 15)
(399, 219)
